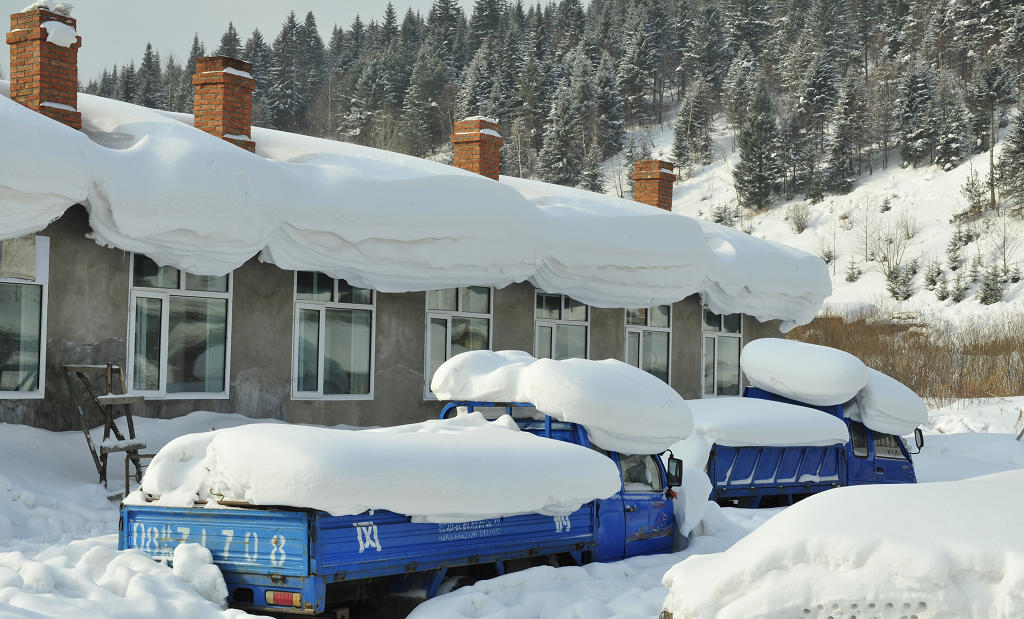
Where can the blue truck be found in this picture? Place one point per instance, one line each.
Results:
(762, 476)
(287, 560)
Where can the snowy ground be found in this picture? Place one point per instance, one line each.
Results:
(58, 557)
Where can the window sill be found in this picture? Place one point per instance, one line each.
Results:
(21, 395)
(297, 397)
(149, 395)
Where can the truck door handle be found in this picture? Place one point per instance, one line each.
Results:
(631, 508)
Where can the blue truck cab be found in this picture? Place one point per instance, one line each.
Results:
(763, 476)
(283, 559)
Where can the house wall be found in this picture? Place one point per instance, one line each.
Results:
(88, 323)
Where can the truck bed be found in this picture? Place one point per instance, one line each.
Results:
(750, 473)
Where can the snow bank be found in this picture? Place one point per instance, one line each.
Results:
(741, 422)
(623, 408)
(347, 472)
(803, 372)
(887, 405)
(155, 185)
(869, 551)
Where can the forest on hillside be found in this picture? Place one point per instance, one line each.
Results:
(816, 92)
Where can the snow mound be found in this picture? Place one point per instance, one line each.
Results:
(816, 375)
(741, 422)
(91, 578)
(623, 408)
(155, 185)
(194, 564)
(346, 472)
(60, 33)
(887, 405)
(868, 551)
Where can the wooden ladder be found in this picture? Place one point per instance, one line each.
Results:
(109, 404)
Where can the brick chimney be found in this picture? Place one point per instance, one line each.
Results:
(44, 64)
(223, 99)
(652, 182)
(477, 143)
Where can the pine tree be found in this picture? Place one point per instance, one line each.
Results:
(636, 67)
(749, 24)
(991, 88)
(848, 123)
(418, 124)
(707, 50)
(187, 93)
(691, 144)
(389, 26)
(853, 271)
(230, 44)
(820, 95)
(171, 84)
(149, 83)
(126, 83)
(942, 287)
(992, 287)
(591, 177)
(959, 290)
(258, 53)
(611, 130)
(954, 251)
(918, 120)
(560, 159)
(285, 100)
(932, 274)
(476, 84)
(1010, 168)
(757, 173)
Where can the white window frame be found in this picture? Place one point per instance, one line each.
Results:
(704, 334)
(165, 294)
(640, 330)
(447, 315)
(554, 322)
(322, 307)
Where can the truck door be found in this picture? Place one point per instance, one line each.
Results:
(892, 464)
(648, 514)
(859, 462)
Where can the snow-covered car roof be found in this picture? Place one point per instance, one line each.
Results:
(153, 184)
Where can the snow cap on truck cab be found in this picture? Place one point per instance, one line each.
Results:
(623, 408)
(815, 375)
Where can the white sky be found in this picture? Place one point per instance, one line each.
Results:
(118, 31)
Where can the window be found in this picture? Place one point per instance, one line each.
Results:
(648, 339)
(561, 327)
(333, 344)
(640, 473)
(723, 339)
(858, 439)
(24, 276)
(178, 329)
(458, 320)
(887, 446)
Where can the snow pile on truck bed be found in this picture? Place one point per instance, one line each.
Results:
(808, 373)
(454, 470)
(154, 184)
(949, 549)
(623, 408)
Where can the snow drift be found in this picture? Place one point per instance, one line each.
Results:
(868, 551)
(437, 471)
(808, 373)
(623, 408)
(155, 185)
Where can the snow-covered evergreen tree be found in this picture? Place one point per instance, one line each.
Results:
(992, 286)
(285, 100)
(1010, 168)
(843, 151)
(198, 50)
(691, 143)
(636, 67)
(611, 130)
(591, 177)
(126, 83)
(561, 156)
(257, 52)
(918, 117)
(230, 43)
(757, 173)
(149, 82)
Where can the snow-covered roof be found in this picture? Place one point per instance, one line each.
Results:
(155, 185)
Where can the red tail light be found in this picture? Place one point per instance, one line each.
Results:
(284, 598)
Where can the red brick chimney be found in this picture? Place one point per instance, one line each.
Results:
(652, 183)
(223, 99)
(44, 64)
(477, 143)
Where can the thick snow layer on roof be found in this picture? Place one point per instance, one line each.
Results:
(348, 472)
(887, 405)
(623, 408)
(741, 422)
(940, 549)
(808, 373)
(155, 185)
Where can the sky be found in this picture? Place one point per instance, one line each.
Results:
(117, 31)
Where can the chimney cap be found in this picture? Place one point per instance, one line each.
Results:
(207, 64)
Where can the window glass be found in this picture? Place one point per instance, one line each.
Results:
(728, 366)
(640, 473)
(21, 307)
(570, 342)
(887, 446)
(660, 315)
(311, 286)
(633, 348)
(353, 294)
(197, 334)
(709, 366)
(858, 439)
(731, 323)
(148, 275)
(309, 349)
(437, 351)
(347, 351)
(655, 354)
(636, 316)
(543, 342)
(147, 344)
(712, 321)
(476, 299)
(469, 334)
(206, 283)
(549, 306)
(444, 299)
(574, 310)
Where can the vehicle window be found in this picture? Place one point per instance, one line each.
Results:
(640, 473)
(859, 439)
(888, 446)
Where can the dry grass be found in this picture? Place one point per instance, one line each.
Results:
(981, 360)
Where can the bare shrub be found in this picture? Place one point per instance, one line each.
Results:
(942, 365)
(798, 215)
(888, 249)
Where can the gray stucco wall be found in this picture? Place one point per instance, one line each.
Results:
(88, 315)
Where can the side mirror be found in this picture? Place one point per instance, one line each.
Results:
(919, 438)
(675, 472)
